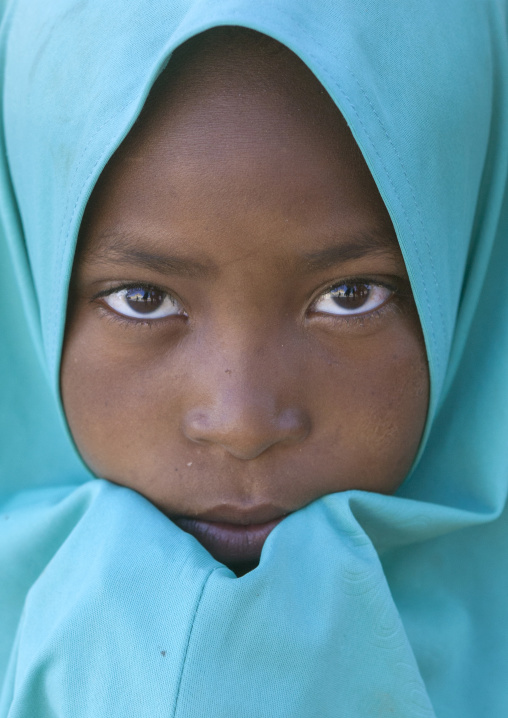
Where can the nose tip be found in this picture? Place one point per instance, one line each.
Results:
(246, 435)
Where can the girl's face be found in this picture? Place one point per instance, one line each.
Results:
(242, 337)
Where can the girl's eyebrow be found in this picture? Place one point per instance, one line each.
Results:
(134, 250)
(124, 249)
(356, 246)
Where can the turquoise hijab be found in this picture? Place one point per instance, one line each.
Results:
(396, 605)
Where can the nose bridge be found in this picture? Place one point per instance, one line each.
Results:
(246, 355)
(245, 400)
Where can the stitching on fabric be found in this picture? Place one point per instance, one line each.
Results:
(413, 194)
(417, 252)
(184, 661)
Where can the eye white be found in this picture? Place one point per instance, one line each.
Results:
(152, 304)
(336, 300)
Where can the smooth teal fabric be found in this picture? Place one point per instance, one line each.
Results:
(363, 605)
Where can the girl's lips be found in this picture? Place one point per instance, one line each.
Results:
(229, 543)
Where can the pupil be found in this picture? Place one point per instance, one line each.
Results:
(351, 296)
(144, 301)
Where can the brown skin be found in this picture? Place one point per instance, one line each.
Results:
(254, 398)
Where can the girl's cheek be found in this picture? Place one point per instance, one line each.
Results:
(110, 409)
(383, 404)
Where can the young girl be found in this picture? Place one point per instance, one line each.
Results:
(255, 252)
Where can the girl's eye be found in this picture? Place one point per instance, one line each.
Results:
(143, 303)
(352, 298)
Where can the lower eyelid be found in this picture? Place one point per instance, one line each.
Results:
(134, 323)
(358, 321)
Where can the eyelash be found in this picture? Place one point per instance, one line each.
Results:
(110, 313)
(358, 319)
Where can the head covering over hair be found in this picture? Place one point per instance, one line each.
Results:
(395, 605)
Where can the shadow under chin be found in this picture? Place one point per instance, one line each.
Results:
(240, 569)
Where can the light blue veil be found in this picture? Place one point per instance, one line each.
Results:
(396, 605)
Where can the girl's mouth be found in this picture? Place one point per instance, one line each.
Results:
(233, 544)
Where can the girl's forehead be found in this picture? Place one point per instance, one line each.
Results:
(247, 121)
(231, 80)
(302, 206)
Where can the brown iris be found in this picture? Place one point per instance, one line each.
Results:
(143, 300)
(351, 296)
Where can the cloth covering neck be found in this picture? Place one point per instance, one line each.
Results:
(396, 605)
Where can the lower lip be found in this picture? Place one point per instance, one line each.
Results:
(229, 543)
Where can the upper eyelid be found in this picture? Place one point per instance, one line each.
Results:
(355, 280)
(139, 285)
(129, 285)
(325, 288)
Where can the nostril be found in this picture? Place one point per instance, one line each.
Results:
(294, 425)
(197, 426)
(247, 435)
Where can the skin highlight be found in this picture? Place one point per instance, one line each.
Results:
(291, 363)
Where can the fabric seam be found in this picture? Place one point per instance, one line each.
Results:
(184, 660)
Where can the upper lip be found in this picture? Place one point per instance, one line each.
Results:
(240, 515)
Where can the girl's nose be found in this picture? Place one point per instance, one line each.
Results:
(244, 417)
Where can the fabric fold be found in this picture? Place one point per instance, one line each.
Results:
(107, 629)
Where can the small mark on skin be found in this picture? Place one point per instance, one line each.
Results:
(228, 371)
(190, 463)
(163, 653)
